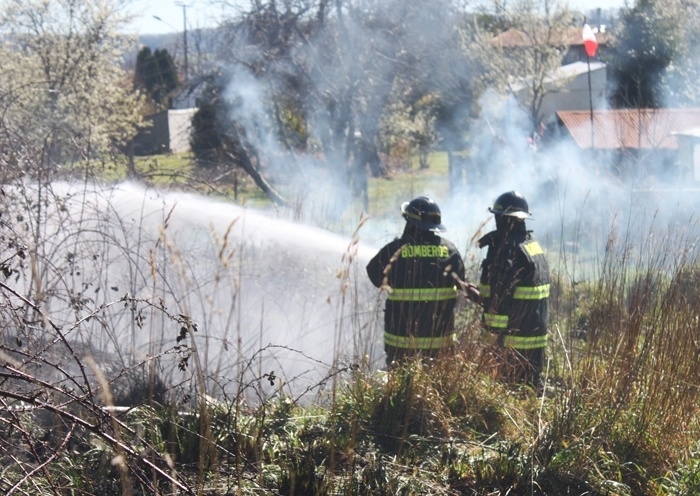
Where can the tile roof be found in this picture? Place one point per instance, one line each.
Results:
(572, 36)
(629, 128)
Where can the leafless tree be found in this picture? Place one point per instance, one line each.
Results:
(341, 79)
(522, 49)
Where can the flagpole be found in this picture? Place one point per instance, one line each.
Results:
(590, 101)
(590, 44)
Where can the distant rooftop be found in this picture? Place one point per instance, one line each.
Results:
(630, 128)
(572, 36)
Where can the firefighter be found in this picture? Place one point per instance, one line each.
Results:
(514, 292)
(421, 271)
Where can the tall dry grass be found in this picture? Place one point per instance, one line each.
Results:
(160, 378)
(117, 310)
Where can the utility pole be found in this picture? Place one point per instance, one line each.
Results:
(184, 37)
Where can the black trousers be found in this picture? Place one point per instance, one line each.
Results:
(396, 355)
(517, 366)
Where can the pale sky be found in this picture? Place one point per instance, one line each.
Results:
(586, 5)
(202, 13)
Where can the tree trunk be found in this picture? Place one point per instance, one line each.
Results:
(242, 157)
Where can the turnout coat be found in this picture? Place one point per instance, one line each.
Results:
(514, 288)
(419, 269)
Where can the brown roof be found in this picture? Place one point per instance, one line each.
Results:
(570, 37)
(629, 128)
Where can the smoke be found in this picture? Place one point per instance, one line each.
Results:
(578, 199)
(267, 296)
(247, 95)
(336, 79)
(348, 66)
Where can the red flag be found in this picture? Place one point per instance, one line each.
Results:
(589, 41)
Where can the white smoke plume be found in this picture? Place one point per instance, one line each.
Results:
(577, 198)
(268, 297)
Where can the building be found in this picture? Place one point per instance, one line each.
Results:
(689, 152)
(576, 86)
(646, 146)
(571, 39)
(169, 132)
(580, 83)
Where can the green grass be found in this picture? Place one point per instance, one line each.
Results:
(385, 193)
(165, 167)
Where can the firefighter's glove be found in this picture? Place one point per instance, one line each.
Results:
(471, 291)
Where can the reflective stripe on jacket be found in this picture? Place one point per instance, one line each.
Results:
(515, 290)
(525, 342)
(419, 270)
(422, 294)
(521, 292)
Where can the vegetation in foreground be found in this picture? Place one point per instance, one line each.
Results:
(620, 415)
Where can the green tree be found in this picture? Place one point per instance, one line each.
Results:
(647, 43)
(205, 141)
(681, 77)
(156, 75)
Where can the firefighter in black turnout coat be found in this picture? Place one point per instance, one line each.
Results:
(419, 268)
(514, 292)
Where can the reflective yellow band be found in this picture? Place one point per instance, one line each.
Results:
(531, 292)
(485, 290)
(496, 320)
(415, 343)
(422, 294)
(533, 248)
(525, 342)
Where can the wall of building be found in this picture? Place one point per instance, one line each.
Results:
(169, 133)
(689, 157)
(570, 90)
(180, 126)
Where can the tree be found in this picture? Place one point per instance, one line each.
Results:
(522, 48)
(64, 99)
(679, 80)
(646, 45)
(333, 80)
(218, 143)
(156, 75)
(65, 94)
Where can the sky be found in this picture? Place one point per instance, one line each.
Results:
(203, 13)
(585, 5)
(171, 15)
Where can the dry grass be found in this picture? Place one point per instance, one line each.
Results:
(216, 407)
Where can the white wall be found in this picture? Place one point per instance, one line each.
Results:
(180, 126)
(568, 89)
